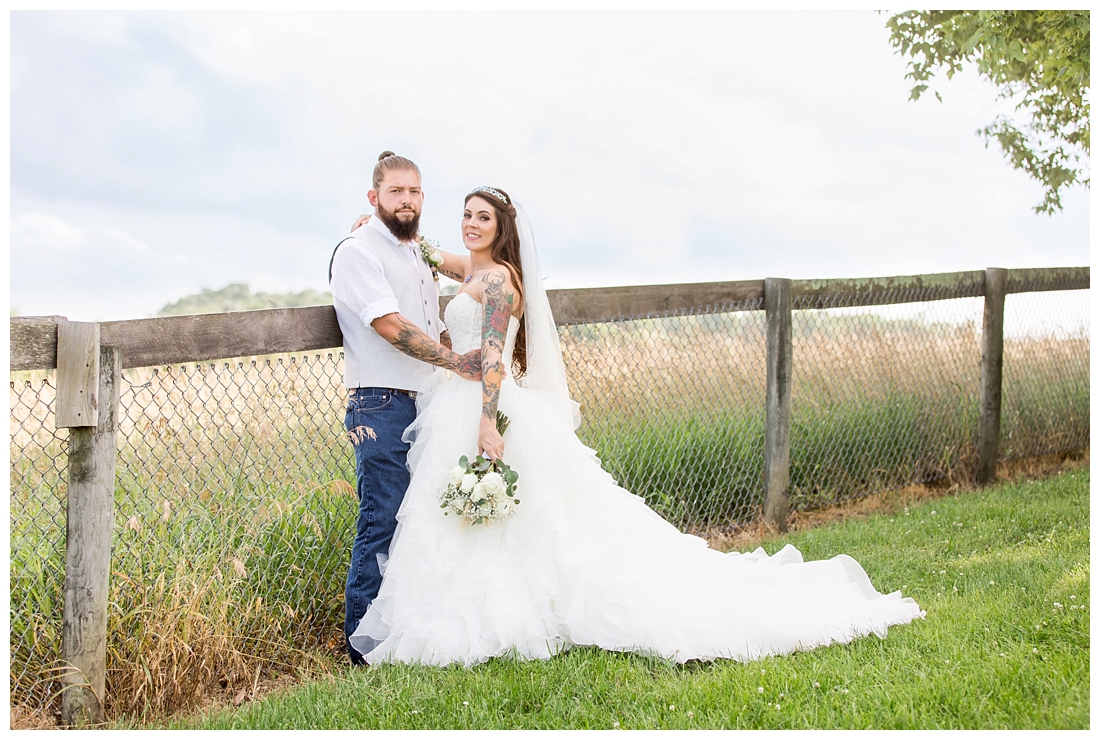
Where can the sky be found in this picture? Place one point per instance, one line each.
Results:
(154, 154)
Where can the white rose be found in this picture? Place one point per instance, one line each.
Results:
(481, 493)
(469, 480)
(494, 484)
(435, 258)
(456, 475)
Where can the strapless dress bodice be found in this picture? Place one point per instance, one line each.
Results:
(464, 316)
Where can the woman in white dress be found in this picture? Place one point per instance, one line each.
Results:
(581, 561)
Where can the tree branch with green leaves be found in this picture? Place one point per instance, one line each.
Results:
(1038, 57)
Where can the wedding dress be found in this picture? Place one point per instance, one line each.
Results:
(582, 561)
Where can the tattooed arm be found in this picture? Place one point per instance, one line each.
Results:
(499, 299)
(455, 266)
(408, 337)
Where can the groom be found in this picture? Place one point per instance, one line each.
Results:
(387, 303)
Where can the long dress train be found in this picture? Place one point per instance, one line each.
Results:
(582, 561)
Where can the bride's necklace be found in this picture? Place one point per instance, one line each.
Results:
(474, 272)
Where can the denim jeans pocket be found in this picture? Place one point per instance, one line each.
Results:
(362, 404)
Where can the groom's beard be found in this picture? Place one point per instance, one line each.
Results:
(402, 230)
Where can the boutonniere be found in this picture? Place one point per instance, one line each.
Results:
(429, 252)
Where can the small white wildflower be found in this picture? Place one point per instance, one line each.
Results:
(762, 671)
(991, 583)
(933, 513)
(1035, 650)
(1057, 605)
(465, 703)
(615, 725)
(415, 712)
(1003, 655)
(943, 572)
(760, 690)
(1072, 598)
(690, 714)
(817, 685)
(672, 707)
(955, 589)
(777, 706)
(780, 696)
(846, 690)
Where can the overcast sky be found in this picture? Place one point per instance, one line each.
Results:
(154, 154)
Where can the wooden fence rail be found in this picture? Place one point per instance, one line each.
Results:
(89, 359)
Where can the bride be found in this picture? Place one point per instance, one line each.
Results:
(581, 561)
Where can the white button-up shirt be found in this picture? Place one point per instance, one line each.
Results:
(373, 274)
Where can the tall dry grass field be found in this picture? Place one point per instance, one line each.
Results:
(235, 503)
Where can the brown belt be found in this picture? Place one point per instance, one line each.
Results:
(410, 394)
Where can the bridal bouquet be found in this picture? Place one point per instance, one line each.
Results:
(483, 490)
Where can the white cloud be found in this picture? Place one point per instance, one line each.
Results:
(42, 232)
(647, 147)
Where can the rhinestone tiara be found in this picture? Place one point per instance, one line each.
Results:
(493, 192)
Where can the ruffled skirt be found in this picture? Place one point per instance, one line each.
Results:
(584, 562)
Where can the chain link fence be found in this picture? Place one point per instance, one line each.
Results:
(1045, 389)
(882, 396)
(235, 501)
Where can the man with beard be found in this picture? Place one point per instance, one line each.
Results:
(387, 303)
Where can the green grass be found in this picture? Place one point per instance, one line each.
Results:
(1003, 574)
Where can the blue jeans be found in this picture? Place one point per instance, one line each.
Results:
(375, 420)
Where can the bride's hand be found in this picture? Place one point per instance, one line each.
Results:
(362, 220)
(489, 441)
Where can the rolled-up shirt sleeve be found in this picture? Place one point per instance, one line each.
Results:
(359, 282)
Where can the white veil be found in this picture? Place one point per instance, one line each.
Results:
(545, 368)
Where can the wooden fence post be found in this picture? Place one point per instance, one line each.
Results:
(89, 518)
(989, 411)
(777, 429)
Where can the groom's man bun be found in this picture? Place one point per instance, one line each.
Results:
(387, 162)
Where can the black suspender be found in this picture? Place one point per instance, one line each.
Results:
(333, 257)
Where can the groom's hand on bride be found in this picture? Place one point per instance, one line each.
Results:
(469, 365)
(362, 220)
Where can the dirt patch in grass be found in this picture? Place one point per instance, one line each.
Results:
(751, 535)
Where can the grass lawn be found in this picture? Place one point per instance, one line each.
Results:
(1002, 573)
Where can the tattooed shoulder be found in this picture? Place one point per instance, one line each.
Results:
(497, 283)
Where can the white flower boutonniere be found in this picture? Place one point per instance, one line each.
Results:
(429, 252)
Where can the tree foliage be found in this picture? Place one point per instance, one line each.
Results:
(1040, 57)
(237, 297)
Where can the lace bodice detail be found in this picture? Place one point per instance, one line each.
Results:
(463, 318)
